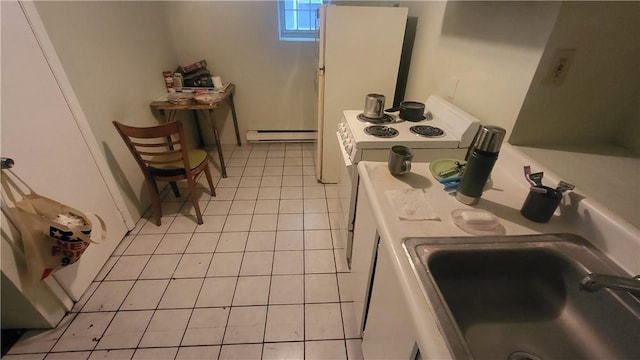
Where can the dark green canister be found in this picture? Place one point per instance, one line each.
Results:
(480, 160)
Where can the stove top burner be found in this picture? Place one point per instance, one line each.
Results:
(385, 119)
(381, 131)
(427, 131)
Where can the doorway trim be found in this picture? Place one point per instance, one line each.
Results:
(42, 37)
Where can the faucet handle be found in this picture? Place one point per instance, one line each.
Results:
(595, 282)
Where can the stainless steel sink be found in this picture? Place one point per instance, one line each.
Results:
(519, 297)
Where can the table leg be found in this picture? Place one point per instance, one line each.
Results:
(163, 115)
(232, 105)
(172, 115)
(200, 137)
(209, 115)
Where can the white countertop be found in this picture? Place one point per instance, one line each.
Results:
(577, 214)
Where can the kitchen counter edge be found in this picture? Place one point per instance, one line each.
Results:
(578, 214)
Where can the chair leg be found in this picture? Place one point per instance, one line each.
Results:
(194, 200)
(174, 187)
(155, 201)
(209, 180)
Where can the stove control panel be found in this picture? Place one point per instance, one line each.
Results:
(346, 138)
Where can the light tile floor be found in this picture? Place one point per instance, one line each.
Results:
(263, 278)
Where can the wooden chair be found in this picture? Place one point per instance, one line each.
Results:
(162, 155)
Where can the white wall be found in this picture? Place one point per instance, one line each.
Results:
(422, 71)
(487, 51)
(628, 135)
(239, 39)
(490, 49)
(599, 99)
(113, 54)
(587, 129)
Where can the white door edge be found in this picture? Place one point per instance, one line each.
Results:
(37, 26)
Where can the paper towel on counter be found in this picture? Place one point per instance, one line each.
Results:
(411, 204)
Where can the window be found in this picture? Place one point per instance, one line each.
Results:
(298, 19)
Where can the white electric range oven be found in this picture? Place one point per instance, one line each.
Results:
(445, 132)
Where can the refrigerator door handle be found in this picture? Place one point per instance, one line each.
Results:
(321, 34)
(320, 114)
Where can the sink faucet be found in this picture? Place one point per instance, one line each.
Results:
(595, 282)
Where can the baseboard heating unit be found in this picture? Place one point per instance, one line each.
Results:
(281, 135)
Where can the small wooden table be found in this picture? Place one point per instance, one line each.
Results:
(165, 111)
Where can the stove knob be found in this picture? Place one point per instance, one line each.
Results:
(348, 147)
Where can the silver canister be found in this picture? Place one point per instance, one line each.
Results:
(489, 139)
(374, 106)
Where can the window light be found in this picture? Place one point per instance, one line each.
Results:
(298, 19)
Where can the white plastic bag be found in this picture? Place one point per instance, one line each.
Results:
(54, 235)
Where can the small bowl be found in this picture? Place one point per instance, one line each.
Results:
(180, 98)
(208, 98)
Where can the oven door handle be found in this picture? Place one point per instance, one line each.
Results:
(343, 151)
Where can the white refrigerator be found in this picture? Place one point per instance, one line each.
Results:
(359, 53)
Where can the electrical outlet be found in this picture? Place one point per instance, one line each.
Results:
(559, 67)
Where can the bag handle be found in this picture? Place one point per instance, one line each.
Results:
(17, 249)
(24, 183)
(103, 229)
(8, 183)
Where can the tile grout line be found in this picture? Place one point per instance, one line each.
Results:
(304, 284)
(283, 150)
(335, 264)
(193, 309)
(138, 278)
(235, 288)
(123, 299)
(266, 319)
(224, 333)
